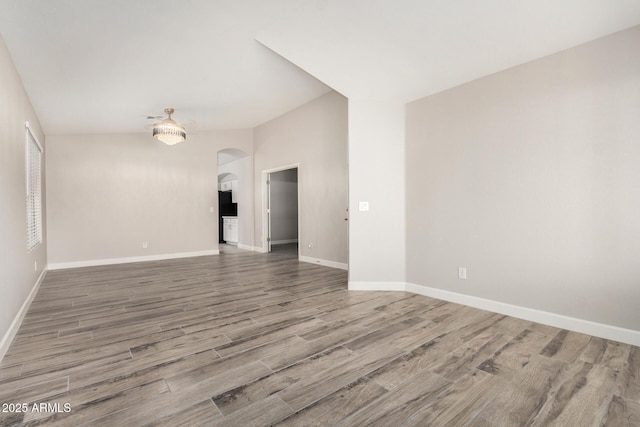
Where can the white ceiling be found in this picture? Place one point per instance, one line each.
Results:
(100, 66)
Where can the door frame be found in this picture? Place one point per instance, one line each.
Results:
(266, 220)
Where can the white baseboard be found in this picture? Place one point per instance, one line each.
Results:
(376, 286)
(246, 247)
(110, 261)
(17, 321)
(588, 327)
(283, 242)
(324, 262)
(259, 249)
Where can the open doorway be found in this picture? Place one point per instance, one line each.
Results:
(228, 209)
(282, 210)
(235, 200)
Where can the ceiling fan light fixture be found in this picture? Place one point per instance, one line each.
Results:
(168, 131)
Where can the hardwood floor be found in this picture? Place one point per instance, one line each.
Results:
(261, 339)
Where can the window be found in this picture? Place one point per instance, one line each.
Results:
(34, 190)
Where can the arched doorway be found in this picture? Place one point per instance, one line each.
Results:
(235, 200)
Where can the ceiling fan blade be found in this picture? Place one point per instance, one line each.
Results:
(189, 126)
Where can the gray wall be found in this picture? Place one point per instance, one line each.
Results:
(109, 193)
(530, 178)
(314, 136)
(18, 274)
(284, 206)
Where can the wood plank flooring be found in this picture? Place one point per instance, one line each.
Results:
(246, 339)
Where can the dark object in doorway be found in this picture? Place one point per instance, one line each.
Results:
(225, 208)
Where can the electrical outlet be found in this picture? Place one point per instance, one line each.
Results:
(462, 273)
(145, 244)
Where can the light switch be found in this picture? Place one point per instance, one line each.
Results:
(363, 206)
(211, 209)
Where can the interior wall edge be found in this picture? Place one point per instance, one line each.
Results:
(355, 285)
(8, 337)
(324, 262)
(588, 327)
(127, 260)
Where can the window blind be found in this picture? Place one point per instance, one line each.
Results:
(34, 190)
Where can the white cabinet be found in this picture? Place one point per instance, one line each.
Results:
(230, 186)
(234, 191)
(230, 229)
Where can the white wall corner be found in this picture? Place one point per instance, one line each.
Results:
(376, 286)
(376, 200)
(17, 321)
(127, 260)
(601, 330)
(324, 262)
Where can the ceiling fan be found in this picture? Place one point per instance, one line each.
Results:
(168, 130)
